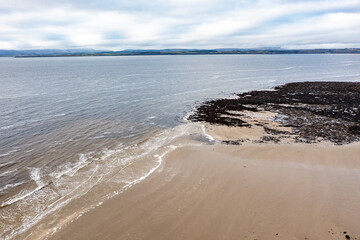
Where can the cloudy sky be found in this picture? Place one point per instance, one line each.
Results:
(155, 24)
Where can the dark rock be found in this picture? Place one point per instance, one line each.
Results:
(325, 110)
(354, 130)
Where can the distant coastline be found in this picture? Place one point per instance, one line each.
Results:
(91, 52)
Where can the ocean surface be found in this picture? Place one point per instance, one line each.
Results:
(76, 131)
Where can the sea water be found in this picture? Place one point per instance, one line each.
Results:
(75, 131)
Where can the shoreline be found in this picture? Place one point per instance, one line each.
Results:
(207, 167)
(141, 167)
(187, 52)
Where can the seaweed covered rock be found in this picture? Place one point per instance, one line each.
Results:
(328, 111)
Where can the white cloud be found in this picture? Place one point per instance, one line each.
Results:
(174, 23)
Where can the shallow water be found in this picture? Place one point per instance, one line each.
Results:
(79, 126)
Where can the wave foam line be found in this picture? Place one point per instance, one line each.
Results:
(16, 199)
(122, 190)
(7, 186)
(7, 173)
(36, 177)
(63, 202)
(208, 136)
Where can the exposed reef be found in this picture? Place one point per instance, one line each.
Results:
(314, 111)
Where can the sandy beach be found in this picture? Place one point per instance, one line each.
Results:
(256, 180)
(180, 120)
(297, 191)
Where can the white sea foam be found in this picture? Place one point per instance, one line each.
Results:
(8, 127)
(129, 184)
(109, 152)
(33, 221)
(35, 175)
(19, 197)
(9, 152)
(60, 115)
(110, 160)
(7, 186)
(6, 173)
(208, 136)
(193, 110)
(70, 169)
(157, 146)
(5, 164)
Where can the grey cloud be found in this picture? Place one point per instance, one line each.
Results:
(111, 24)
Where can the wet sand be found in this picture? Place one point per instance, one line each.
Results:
(268, 191)
(249, 187)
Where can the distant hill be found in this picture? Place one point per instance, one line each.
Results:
(134, 52)
(45, 52)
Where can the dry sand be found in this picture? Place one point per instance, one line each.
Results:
(294, 191)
